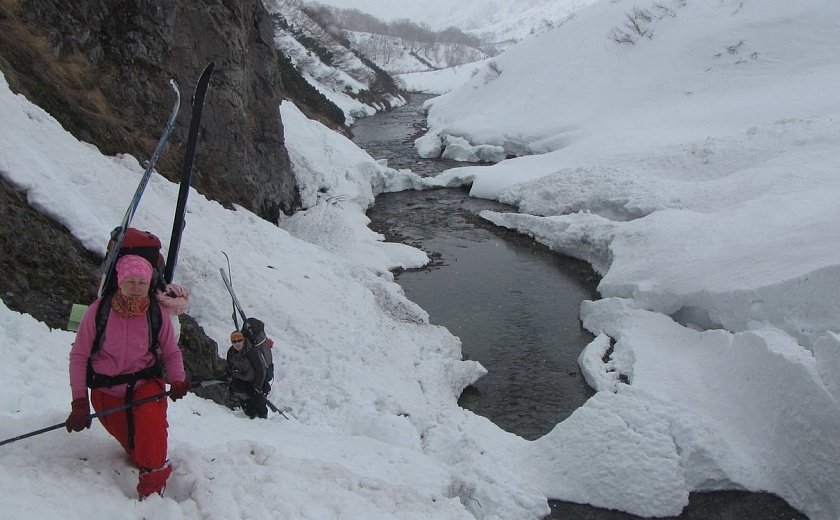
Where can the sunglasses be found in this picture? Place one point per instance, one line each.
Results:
(238, 341)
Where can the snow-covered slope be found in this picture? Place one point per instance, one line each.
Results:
(698, 72)
(398, 56)
(507, 20)
(336, 72)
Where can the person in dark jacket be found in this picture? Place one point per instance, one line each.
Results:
(247, 367)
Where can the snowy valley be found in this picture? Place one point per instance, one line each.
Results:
(694, 167)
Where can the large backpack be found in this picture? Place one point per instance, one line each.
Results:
(146, 245)
(135, 242)
(254, 331)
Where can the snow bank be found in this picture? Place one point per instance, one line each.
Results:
(696, 171)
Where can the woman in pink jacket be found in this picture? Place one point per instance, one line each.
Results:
(124, 368)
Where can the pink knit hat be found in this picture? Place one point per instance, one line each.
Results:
(133, 265)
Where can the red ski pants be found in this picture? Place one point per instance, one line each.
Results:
(149, 423)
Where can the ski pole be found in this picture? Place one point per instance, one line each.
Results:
(264, 398)
(200, 384)
(273, 408)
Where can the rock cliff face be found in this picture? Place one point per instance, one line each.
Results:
(102, 68)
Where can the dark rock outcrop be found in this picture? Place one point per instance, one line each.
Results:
(45, 270)
(102, 68)
(201, 359)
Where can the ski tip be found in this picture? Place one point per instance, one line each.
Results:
(208, 70)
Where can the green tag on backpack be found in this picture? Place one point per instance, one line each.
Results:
(76, 314)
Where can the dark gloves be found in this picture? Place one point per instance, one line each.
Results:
(179, 389)
(78, 419)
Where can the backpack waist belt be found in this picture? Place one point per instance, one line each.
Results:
(95, 380)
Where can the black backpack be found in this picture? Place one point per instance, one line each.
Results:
(254, 331)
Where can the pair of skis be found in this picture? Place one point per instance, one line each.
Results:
(108, 267)
(237, 307)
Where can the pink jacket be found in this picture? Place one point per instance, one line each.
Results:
(125, 349)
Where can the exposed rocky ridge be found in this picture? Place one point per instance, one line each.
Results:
(43, 280)
(102, 68)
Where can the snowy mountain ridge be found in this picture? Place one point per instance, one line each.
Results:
(493, 20)
(516, 21)
(330, 66)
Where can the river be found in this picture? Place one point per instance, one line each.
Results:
(513, 303)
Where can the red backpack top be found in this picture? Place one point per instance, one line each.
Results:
(144, 244)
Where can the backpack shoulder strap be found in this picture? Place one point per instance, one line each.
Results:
(155, 315)
(102, 313)
(261, 356)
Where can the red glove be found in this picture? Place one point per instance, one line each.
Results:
(78, 419)
(179, 389)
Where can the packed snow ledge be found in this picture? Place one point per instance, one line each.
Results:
(716, 359)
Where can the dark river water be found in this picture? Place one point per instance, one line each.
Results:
(513, 303)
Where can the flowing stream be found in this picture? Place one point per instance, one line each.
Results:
(513, 303)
